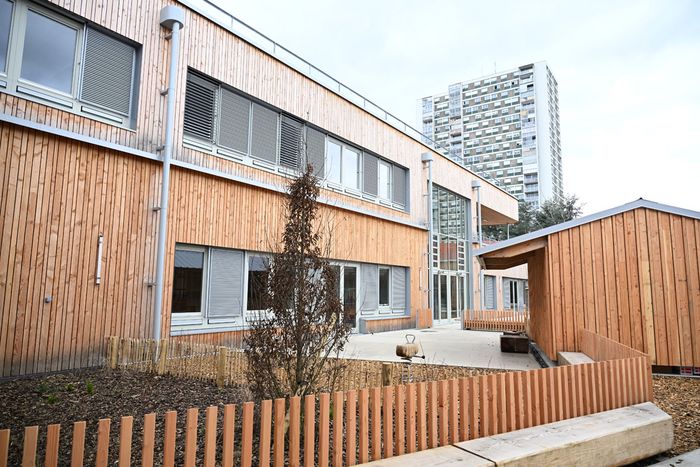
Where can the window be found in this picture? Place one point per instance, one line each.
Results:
(207, 286)
(49, 52)
(384, 286)
(188, 280)
(258, 268)
(221, 121)
(351, 168)
(343, 164)
(5, 21)
(56, 60)
(384, 180)
(489, 292)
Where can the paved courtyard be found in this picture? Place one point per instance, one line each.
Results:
(445, 345)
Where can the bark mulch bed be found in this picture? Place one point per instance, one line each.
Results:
(92, 394)
(102, 393)
(680, 398)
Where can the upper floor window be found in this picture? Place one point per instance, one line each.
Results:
(219, 120)
(61, 61)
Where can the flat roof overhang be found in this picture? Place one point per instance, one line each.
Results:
(510, 256)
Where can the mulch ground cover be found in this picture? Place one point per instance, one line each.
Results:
(93, 394)
(102, 393)
(680, 398)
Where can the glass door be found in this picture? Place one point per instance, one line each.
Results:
(349, 295)
(454, 310)
(444, 305)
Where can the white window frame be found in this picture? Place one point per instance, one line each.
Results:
(389, 184)
(343, 184)
(12, 83)
(189, 319)
(246, 262)
(383, 308)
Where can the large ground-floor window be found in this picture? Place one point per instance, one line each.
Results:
(217, 288)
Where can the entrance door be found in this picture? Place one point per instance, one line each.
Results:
(448, 297)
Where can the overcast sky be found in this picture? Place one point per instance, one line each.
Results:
(628, 74)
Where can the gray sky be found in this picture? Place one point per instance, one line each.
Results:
(628, 74)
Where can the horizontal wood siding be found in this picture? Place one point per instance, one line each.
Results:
(632, 277)
(59, 195)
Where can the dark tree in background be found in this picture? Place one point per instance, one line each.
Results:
(292, 344)
(551, 212)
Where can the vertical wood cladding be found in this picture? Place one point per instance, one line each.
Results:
(59, 195)
(633, 277)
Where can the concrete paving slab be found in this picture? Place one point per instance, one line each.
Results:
(687, 459)
(446, 455)
(443, 345)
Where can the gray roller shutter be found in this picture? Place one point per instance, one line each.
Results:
(290, 142)
(490, 292)
(369, 292)
(398, 288)
(225, 283)
(108, 72)
(315, 150)
(264, 142)
(399, 185)
(200, 107)
(234, 121)
(370, 175)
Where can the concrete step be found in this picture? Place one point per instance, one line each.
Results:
(615, 437)
(573, 358)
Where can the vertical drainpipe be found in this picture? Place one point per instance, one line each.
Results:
(172, 18)
(428, 158)
(476, 185)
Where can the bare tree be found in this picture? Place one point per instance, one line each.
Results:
(292, 344)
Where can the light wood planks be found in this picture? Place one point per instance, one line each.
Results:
(633, 277)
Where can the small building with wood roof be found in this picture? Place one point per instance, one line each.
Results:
(631, 273)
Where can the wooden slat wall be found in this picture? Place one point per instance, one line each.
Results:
(540, 326)
(58, 196)
(632, 277)
(242, 66)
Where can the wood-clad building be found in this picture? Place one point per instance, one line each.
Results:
(631, 273)
(81, 170)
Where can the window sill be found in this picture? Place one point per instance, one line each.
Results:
(184, 330)
(65, 104)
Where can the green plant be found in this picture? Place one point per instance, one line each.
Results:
(90, 387)
(52, 398)
(70, 387)
(43, 388)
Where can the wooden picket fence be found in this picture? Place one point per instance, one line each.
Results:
(226, 366)
(347, 427)
(496, 320)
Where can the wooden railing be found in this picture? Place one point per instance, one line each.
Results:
(496, 320)
(600, 348)
(347, 427)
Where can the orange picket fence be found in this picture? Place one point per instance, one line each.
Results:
(349, 427)
(496, 320)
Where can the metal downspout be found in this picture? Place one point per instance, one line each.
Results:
(476, 185)
(172, 18)
(427, 157)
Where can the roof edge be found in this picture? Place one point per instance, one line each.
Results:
(636, 204)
